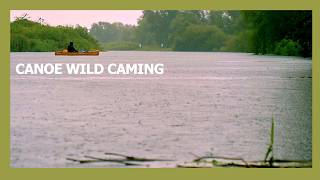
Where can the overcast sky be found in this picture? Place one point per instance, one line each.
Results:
(81, 17)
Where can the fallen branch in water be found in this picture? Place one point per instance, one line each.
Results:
(220, 157)
(122, 161)
(125, 160)
(82, 161)
(132, 158)
(91, 159)
(250, 165)
(211, 161)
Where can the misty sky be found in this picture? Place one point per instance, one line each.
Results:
(81, 17)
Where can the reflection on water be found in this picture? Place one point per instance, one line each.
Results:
(218, 103)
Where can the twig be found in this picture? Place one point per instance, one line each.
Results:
(132, 158)
(82, 161)
(122, 161)
(221, 157)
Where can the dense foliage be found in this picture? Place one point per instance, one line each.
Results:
(276, 31)
(260, 32)
(32, 36)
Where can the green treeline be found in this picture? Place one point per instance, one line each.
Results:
(33, 36)
(260, 32)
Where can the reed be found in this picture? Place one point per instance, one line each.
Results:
(269, 153)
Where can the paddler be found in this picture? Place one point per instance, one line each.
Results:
(71, 48)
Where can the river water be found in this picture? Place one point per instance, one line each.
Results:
(219, 104)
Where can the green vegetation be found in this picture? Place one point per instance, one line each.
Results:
(280, 32)
(288, 47)
(260, 32)
(286, 33)
(33, 36)
(127, 46)
(116, 32)
(121, 46)
(269, 155)
(200, 38)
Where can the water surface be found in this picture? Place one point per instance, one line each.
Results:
(205, 103)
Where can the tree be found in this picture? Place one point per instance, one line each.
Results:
(112, 32)
(27, 35)
(200, 38)
(271, 27)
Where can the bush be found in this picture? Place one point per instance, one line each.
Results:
(122, 46)
(32, 36)
(288, 47)
(240, 42)
(19, 42)
(199, 38)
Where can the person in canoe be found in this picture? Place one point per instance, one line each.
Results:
(71, 48)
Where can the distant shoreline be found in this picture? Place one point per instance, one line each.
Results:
(143, 50)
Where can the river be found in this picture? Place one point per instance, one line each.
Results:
(204, 103)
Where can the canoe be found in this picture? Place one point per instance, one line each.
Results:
(88, 53)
